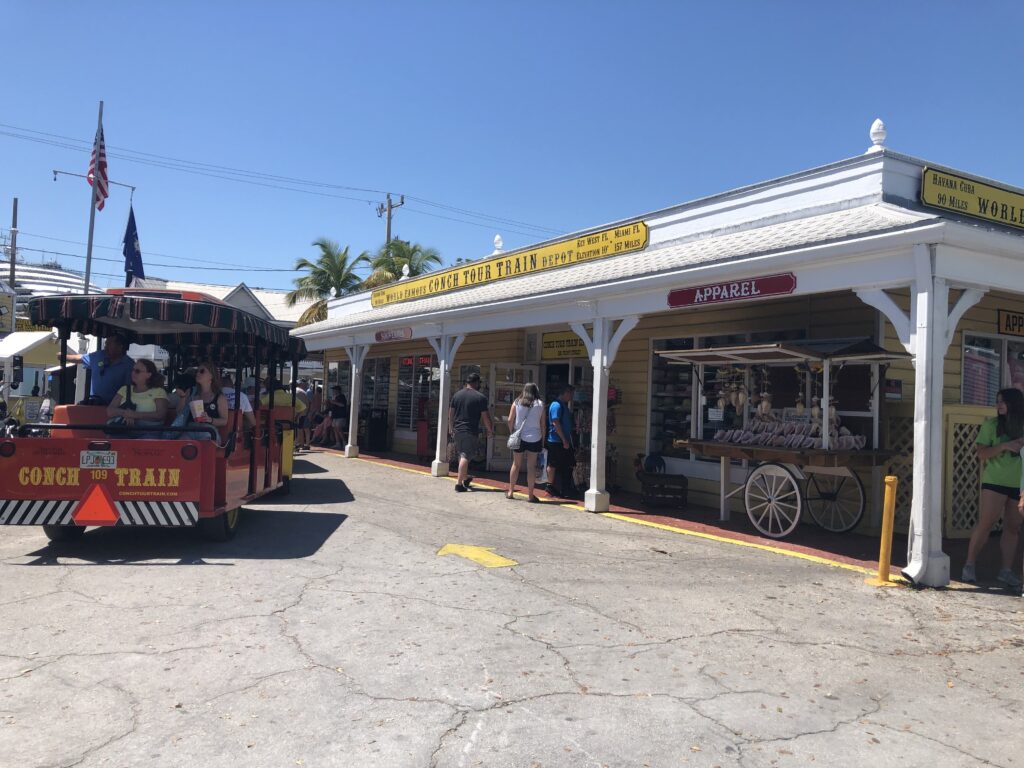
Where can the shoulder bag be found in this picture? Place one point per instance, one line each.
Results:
(515, 440)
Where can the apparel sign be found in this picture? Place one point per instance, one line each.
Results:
(596, 245)
(971, 198)
(561, 345)
(393, 334)
(1011, 323)
(735, 290)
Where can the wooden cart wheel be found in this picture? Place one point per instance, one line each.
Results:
(836, 502)
(773, 499)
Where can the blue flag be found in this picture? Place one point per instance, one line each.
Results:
(132, 250)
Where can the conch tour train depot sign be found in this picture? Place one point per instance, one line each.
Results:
(971, 198)
(596, 245)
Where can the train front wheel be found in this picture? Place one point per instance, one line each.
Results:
(221, 527)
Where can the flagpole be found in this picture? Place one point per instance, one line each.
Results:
(92, 209)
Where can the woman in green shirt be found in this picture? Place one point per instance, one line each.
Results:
(999, 443)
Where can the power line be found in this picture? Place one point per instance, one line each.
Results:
(258, 178)
(233, 265)
(153, 263)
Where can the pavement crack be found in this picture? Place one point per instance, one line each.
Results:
(460, 720)
(129, 731)
(947, 745)
(576, 602)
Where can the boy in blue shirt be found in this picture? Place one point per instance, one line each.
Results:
(561, 458)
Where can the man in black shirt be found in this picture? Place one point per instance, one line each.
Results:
(468, 406)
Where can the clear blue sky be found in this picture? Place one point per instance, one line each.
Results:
(561, 115)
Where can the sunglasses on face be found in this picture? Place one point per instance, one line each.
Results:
(139, 370)
(202, 370)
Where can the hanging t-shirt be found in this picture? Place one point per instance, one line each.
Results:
(144, 402)
(1003, 468)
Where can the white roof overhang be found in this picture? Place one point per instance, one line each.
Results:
(826, 246)
(20, 342)
(868, 246)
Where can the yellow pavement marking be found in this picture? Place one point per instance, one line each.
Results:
(748, 544)
(484, 556)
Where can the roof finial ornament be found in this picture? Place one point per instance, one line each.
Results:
(878, 135)
(405, 271)
(499, 244)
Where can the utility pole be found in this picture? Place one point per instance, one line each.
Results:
(14, 239)
(387, 208)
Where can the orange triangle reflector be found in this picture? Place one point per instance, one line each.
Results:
(96, 508)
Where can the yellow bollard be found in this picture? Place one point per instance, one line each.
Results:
(885, 550)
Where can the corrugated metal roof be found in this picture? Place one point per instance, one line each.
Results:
(706, 249)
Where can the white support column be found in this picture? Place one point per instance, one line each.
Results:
(357, 356)
(926, 333)
(445, 347)
(928, 564)
(602, 345)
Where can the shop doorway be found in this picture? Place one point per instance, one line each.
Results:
(508, 382)
(557, 375)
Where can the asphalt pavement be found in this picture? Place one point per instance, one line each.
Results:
(330, 632)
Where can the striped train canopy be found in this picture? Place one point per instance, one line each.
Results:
(195, 326)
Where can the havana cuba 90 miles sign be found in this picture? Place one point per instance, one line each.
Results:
(734, 290)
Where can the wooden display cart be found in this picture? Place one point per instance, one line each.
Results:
(772, 493)
(782, 482)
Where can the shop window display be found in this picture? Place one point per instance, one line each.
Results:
(989, 364)
(726, 395)
(671, 398)
(418, 390)
(339, 374)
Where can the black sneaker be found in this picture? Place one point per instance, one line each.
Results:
(460, 488)
(469, 479)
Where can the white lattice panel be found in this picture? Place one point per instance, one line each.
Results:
(900, 440)
(962, 486)
(965, 479)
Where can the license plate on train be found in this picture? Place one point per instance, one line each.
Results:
(98, 460)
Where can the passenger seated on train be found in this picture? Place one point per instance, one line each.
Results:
(144, 405)
(205, 403)
(228, 388)
(183, 384)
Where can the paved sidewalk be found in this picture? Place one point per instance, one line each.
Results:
(330, 633)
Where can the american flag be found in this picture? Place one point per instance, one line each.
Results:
(97, 174)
